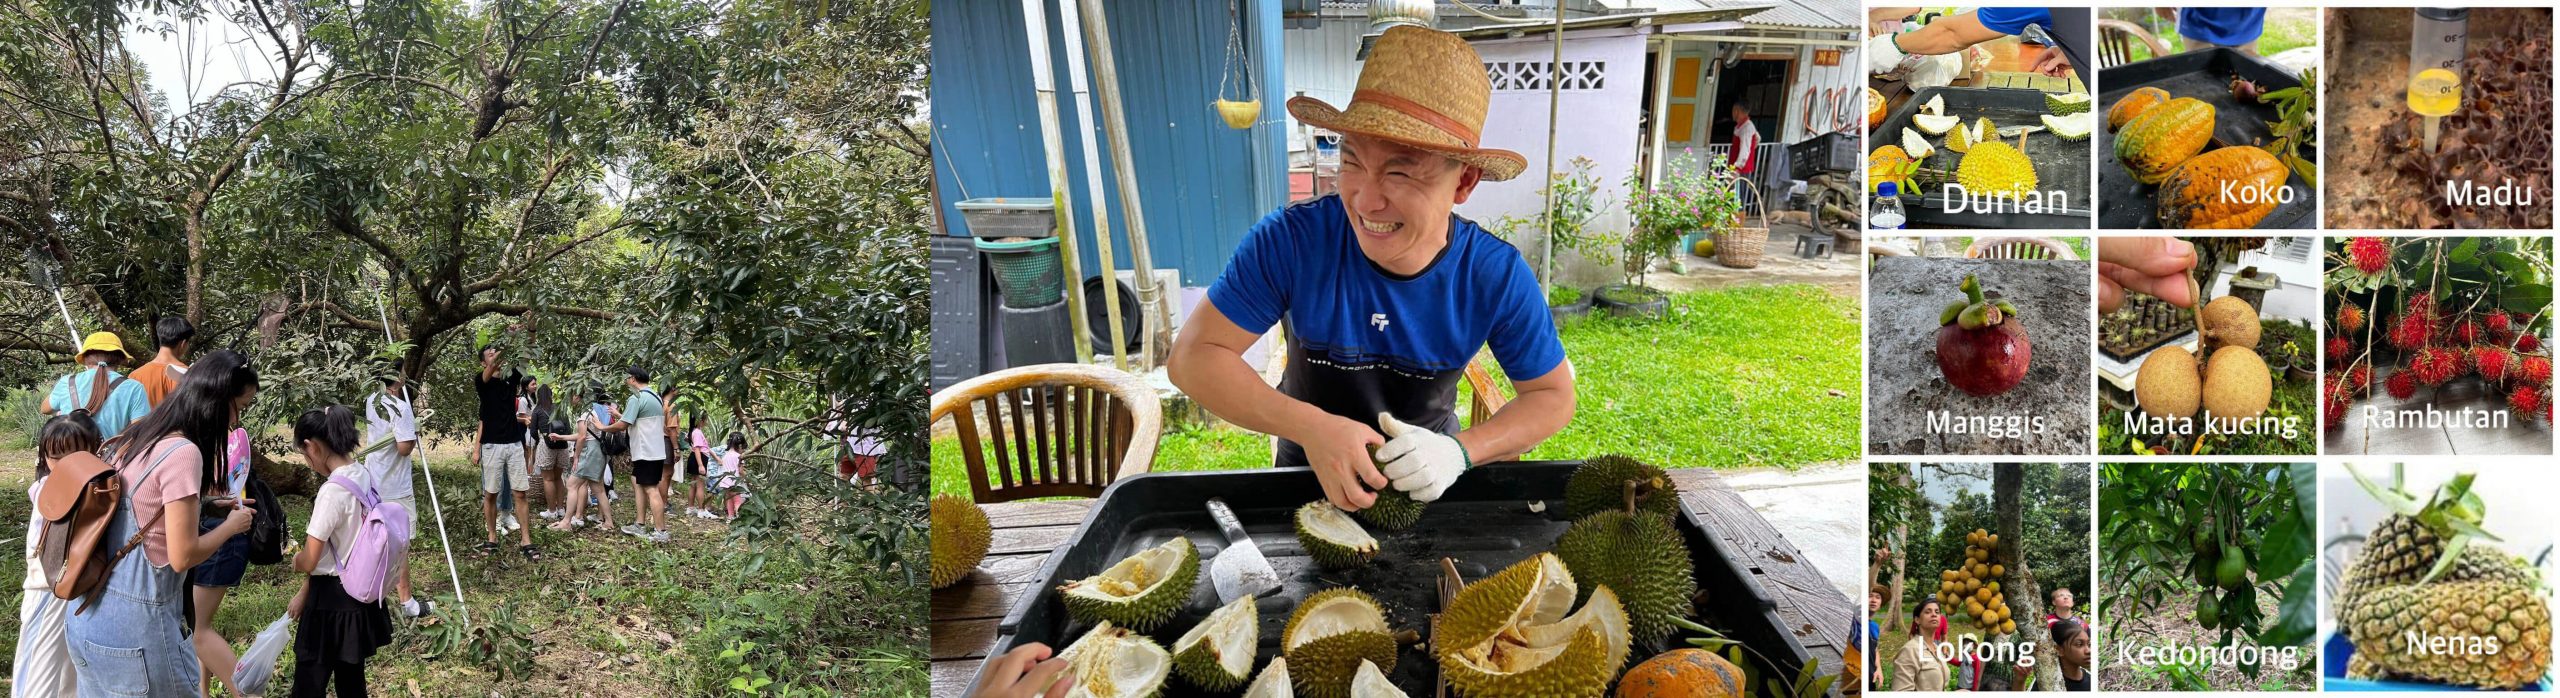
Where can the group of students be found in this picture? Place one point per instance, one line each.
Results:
(527, 434)
(177, 540)
(1918, 666)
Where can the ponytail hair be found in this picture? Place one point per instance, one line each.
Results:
(334, 426)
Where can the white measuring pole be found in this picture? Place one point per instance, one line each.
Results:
(382, 303)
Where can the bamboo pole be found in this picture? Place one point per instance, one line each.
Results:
(1044, 84)
(1093, 184)
(1555, 96)
(1097, 29)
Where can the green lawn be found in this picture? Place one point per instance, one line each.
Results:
(1759, 376)
(605, 613)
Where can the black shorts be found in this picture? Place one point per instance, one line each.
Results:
(693, 466)
(648, 472)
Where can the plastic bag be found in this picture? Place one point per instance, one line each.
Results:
(258, 665)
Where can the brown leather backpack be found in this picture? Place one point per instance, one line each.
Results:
(78, 503)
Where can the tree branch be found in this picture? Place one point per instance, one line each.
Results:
(508, 273)
(479, 309)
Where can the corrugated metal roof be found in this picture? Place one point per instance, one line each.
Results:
(1808, 14)
(1718, 12)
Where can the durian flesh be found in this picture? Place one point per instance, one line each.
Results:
(1332, 537)
(1139, 592)
(1115, 662)
(1273, 682)
(1371, 682)
(1217, 654)
(1327, 638)
(1511, 634)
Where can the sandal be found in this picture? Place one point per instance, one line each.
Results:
(487, 547)
(530, 553)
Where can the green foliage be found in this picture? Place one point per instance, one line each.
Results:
(1574, 202)
(2159, 521)
(495, 640)
(1694, 194)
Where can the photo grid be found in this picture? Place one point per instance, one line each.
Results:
(1886, 349)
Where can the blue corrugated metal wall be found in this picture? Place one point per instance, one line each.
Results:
(1201, 183)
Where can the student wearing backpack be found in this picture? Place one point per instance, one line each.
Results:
(390, 415)
(501, 454)
(214, 578)
(337, 629)
(550, 457)
(127, 634)
(43, 664)
(644, 419)
(176, 338)
(111, 400)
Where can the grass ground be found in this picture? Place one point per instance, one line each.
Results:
(1749, 376)
(607, 614)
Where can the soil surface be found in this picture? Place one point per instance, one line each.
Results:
(2178, 626)
(2366, 101)
(1904, 385)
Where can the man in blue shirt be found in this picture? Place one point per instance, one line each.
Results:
(124, 400)
(1959, 32)
(2207, 28)
(1386, 294)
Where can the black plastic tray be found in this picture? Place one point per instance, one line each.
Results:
(2204, 75)
(1483, 523)
(2060, 165)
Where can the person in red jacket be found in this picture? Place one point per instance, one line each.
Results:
(1746, 148)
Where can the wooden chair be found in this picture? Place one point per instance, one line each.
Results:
(2018, 248)
(1484, 393)
(2115, 42)
(1058, 430)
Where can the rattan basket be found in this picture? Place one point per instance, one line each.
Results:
(1739, 247)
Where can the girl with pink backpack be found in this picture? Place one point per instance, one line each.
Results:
(353, 542)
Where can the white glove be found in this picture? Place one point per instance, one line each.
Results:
(1882, 56)
(1422, 462)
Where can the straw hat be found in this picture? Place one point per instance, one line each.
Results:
(1425, 89)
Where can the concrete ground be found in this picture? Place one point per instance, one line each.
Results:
(1837, 272)
(1821, 509)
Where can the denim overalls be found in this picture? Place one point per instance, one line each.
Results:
(128, 642)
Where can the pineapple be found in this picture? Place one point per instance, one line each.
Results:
(2400, 551)
(2381, 620)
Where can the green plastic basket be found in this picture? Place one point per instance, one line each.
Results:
(1027, 272)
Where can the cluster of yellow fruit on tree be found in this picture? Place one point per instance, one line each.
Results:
(1972, 589)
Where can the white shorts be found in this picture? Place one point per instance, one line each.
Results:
(44, 657)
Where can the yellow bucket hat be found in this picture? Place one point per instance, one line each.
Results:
(104, 341)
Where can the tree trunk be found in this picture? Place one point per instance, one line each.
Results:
(2025, 595)
(282, 476)
(1901, 544)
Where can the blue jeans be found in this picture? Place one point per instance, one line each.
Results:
(129, 641)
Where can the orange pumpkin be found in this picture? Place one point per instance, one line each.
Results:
(2132, 106)
(2192, 196)
(1683, 673)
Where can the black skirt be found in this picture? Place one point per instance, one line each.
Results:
(338, 627)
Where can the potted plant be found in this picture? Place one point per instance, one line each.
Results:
(1565, 226)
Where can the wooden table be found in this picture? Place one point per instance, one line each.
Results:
(965, 614)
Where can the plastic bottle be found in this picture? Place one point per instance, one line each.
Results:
(1884, 212)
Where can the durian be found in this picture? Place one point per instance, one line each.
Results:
(1639, 555)
(1328, 637)
(2071, 129)
(1937, 105)
(1332, 538)
(1915, 145)
(1963, 139)
(1115, 662)
(1273, 682)
(2067, 103)
(1510, 634)
(1935, 125)
(1371, 682)
(1600, 484)
(1394, 510)
(960, 538)
(1218, 653)
(1139, 592)
(1997, 170)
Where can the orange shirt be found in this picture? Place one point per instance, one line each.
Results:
(158, 378)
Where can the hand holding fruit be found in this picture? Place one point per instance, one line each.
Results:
(1338, 450)
(1422, 462)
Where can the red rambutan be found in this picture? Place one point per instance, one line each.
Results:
(2525, 399)
(2526, 343)
(2492, 362)
(2535, 370)
(2359, 378)
(2370, 255)
(2402, 384)
(2350, 317)
(2466, 332)
(2499, 323)
(2339, 347)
